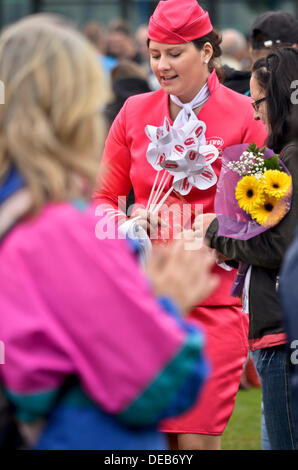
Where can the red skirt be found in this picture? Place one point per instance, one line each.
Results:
(226, 331)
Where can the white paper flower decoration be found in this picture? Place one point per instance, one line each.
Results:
(183, 153)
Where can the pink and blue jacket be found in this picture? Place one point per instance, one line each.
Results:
(75, 306)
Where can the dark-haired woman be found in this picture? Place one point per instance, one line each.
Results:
(271, 88)
(288, 286)
(183, 46)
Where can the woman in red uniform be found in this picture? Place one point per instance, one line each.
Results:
(183, 45)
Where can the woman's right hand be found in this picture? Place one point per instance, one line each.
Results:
(182, 275)
(149, 221)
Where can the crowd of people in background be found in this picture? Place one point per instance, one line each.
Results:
(152, 372)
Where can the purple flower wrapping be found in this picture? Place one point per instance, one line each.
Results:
(233, 222)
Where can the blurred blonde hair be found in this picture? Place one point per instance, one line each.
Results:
(50, 125)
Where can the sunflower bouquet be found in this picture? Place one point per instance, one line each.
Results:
(262, 183)
(254, 193)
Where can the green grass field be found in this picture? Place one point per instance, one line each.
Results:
(244, 428)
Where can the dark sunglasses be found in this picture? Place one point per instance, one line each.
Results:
(256, 104)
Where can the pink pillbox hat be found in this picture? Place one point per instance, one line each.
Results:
(178, 21)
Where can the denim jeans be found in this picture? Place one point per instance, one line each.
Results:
(265, 438)
(280, 403)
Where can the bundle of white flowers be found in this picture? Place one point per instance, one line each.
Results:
(251, 162)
